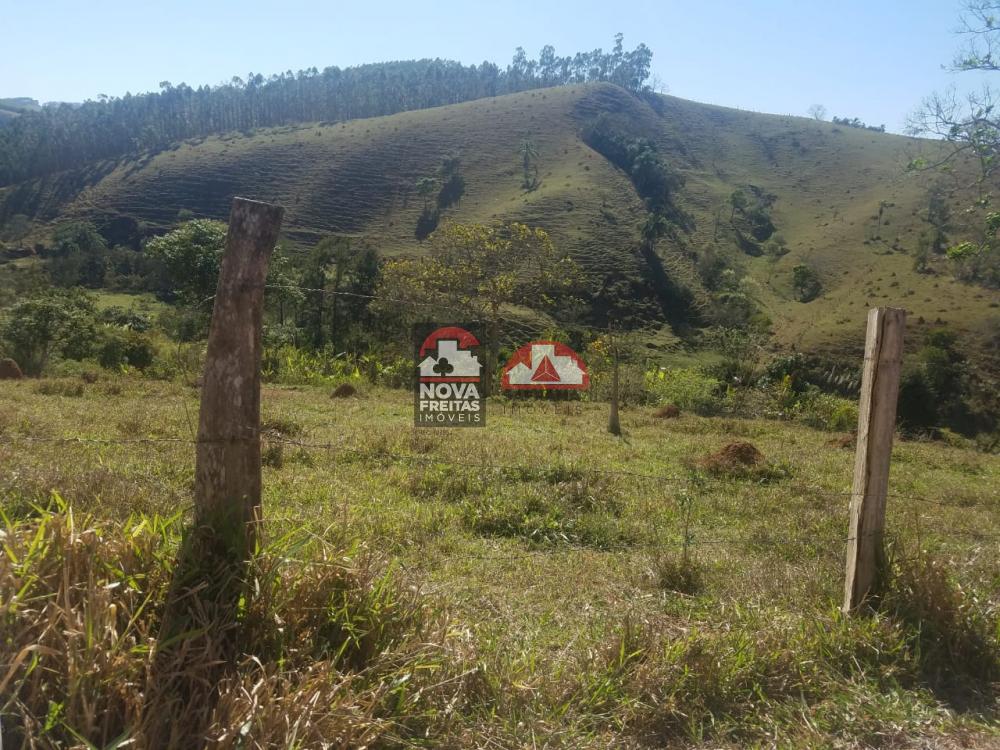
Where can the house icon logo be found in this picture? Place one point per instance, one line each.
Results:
(448, 358)
(448, 378)
(545, 365)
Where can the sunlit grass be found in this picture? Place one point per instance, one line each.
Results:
(600, 590)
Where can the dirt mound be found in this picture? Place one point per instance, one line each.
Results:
(344, 390)
(844, 441)
(735, 458)
(9, 370)
(670, 411)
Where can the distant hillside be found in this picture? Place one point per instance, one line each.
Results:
(839, 197)
(12, 107)
(65, 136)
(20, 103)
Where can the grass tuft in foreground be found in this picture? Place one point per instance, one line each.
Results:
(331, 645)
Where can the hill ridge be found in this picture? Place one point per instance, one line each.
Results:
(358, 178)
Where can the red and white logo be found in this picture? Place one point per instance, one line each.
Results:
(448, 358)
(448, 377)
(545, 365)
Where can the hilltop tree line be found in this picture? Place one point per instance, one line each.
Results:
(854, 122)
(63, 137)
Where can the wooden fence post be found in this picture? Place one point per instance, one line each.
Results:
(876, 424)
(228, 465)
(614, 423)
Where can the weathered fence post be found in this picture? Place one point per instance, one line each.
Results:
(197, 646)
(228, 468)
(876, 424)
(614, 424)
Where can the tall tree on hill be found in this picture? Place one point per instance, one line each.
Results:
(452, 181)
(339, 283)
(79, 255)
(312, 312)
(425, 189)
(338, 254)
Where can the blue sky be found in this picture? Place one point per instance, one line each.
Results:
(872, 59)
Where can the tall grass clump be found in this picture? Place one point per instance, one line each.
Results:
(688, 389)
(752, 682)
(954, 641)
(289, 365)
(331, 647)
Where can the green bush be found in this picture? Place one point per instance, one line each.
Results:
(53, 324)
(290, 365)
(185, 324)
(124, 348)
(122, 318)
(689, 389)
(180, 361)
(806, 283)
(632, 389)
(826, 412)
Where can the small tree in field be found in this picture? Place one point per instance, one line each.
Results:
(473, 272)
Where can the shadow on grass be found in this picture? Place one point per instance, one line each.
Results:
(198, 644)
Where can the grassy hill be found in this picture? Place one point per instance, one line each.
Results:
(827, 183)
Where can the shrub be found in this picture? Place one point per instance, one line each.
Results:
(53, 323)
(290, 365)
(955, 643)
(125, 348)
(805, 370)
(185, 325)
(677, 573)
(180, 361)
(70, 388)
(806, 283)
(688, 389)
(632, 389)
(826, 412)
(122, 318)
(273, 455)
